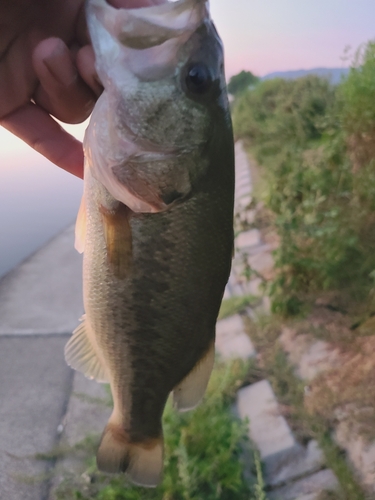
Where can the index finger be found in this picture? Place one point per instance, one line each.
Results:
(40, 131)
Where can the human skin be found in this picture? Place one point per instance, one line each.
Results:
(47, 70)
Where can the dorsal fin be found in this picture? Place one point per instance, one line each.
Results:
(81, 356)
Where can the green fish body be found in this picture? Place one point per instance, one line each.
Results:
(155, 223)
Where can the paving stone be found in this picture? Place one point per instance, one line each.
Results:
(242, 174)
(35, 385)
(309, 356)
(262, 248)
(232, 340)
(243, 190)
(237, 290)
(262, 263)
(44, 293)
(243, 202)
(87, 414)
(248, 239)
(227, 293)
(242, 182)
(267, 428)
(253, 287)
(360, 453)
(307, 488)
(310, 459)
(247, 216)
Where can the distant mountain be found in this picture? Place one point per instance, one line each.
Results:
(334, 75)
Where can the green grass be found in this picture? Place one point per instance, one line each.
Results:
(204, 452)
(235, 305)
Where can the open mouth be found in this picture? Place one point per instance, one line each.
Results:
(151, 23)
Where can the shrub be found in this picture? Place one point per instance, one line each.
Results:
(306, 135)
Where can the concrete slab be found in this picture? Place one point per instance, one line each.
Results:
(44, 293)
(267, 428)
(247, 217)
(232, 340)
(309, 356)
(309, 487)
(34, 389)
(253, 287)
(243, 181)
(87, 414)
(310, 460)
(242, 190)
(360, 452)
(242, 203)
(262, 263)
(248, 239)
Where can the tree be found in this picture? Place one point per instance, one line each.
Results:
(242, 81)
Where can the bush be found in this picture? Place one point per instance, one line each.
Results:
(301, 132)
(358, 110)
(241, 82)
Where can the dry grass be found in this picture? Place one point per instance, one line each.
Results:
(347, 392)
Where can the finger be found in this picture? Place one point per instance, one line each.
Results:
(61, 92)
(134, 4)
(81, 30)
(85, 61)
(40, 131)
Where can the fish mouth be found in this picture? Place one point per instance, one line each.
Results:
(149, 26)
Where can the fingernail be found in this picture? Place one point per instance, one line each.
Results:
(60, 65)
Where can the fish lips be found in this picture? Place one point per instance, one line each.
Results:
(145, 40)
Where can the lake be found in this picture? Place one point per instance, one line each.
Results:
(37, 199)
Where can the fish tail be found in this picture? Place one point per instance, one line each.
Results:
(142, 461)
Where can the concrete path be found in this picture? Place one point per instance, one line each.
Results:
(44, 404)
(40, 303)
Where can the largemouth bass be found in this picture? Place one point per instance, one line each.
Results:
(155, 222)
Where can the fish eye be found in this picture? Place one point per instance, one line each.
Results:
(198, 78)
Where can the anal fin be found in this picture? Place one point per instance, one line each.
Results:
(81, 356)
(188, 393)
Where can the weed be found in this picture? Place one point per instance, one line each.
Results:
(236, 305)
(315, 145)
(290, 392)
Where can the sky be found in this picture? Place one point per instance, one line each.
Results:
(37, 199)
(264, 36)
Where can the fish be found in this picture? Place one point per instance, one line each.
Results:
(155, 223)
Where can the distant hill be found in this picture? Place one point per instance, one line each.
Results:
(334, 75)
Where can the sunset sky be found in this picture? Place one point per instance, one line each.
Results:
(37, 199)
(276, 35)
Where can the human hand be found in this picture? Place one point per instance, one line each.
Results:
(47, 67)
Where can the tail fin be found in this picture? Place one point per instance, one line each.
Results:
(142, 462)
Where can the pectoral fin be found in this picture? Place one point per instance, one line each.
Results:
(80, 229)
(118, 238)
(188, 394)
(81, 356)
